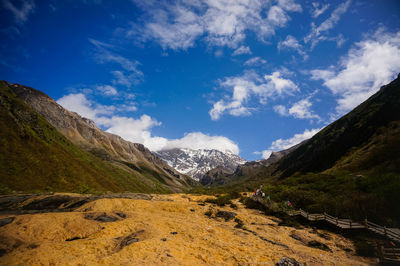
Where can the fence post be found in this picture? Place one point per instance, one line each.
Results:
(324, 215)
(350, 224)
(384, 230)
(337, 220)
(366, 223)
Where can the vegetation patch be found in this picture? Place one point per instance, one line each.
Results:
(222, 200)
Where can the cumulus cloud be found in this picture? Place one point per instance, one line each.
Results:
(250, 85)
(21, 13)
(80, 104)
(299, 110)
(198, 140)
(179, 24)
(139, 130)
(242, 50)
(255, 61)
(283, 144)
(129, 73)
(367, 66)
(318, 33)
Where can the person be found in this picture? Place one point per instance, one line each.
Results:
(259, 192)
(262, 194)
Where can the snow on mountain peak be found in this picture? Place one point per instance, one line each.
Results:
(195, 163)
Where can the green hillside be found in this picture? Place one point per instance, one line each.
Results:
(35, 157)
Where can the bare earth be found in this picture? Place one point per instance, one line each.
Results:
(167, 230)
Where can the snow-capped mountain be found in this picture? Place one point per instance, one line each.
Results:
(195, 163)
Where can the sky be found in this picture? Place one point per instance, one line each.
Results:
(248, 77)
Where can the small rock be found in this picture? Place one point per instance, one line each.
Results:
(295, 237)
(201, 204)
(319, 245)
(192, 210)
(121, 214)
(325, 236)
(284, 261)
(174, 233)
(72, 239)
(163, 239)
(133, 240)
(104, 218)
(169, 255)
(239, 223)
(33, 246)
(5, 221)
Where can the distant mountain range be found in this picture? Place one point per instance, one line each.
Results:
(46, 147)
(196, 163)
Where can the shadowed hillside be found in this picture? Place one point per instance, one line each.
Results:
(351, 168)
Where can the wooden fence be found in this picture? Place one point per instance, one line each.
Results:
(391, 233)
(389, 254)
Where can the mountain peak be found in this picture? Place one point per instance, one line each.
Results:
(195, 163)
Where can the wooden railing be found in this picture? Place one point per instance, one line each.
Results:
(391, 233)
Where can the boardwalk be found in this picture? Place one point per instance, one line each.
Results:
(391, 233)
(388, 254)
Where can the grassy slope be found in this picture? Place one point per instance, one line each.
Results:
(350, 169)
(36, 157)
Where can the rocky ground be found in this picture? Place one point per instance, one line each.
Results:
(138, 229)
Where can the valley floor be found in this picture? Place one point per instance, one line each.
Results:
(163, 230)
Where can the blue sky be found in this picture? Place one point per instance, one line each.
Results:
(248, 77)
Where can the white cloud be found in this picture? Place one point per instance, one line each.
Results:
(280, 109)
(107, 90)
(317, 33)
(198, 140)
(370, 64)
(139, 130)
(319, 10)
(179, 24)
(255, 61)
(292, 43)
(128, 75)
(277, 16)
(290, 5)
(299, 110)
(248, 85)
(281, 85)
(242, 50)
(22, 13)
(283, 144)
(80, 104)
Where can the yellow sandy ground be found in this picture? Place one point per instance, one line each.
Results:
(40, 239)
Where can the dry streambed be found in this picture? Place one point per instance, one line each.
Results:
(175, 229)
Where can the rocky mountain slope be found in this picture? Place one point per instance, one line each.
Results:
(35, 156)
(351, 168)
(196, 163)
